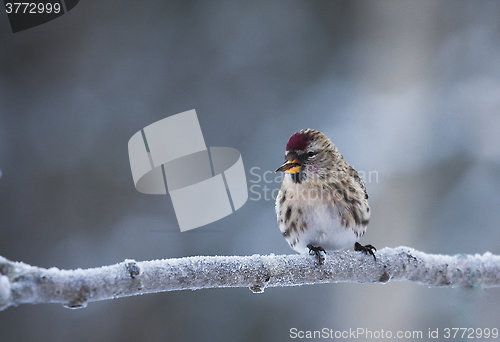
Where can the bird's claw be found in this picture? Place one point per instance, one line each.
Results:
(316, 250)
(367, 249)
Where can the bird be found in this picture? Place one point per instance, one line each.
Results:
(322, 203)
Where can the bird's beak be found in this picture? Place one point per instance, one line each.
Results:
(290, 166)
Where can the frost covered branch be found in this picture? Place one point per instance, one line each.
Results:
(21, 283)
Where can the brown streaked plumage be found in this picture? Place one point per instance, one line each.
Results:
(322, 204)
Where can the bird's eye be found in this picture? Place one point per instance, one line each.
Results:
(311, 154)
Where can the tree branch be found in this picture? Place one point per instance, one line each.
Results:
(22, 283)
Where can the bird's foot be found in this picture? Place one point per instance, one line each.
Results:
(367, 249)
(316, 250)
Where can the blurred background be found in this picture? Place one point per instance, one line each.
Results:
(409, 91)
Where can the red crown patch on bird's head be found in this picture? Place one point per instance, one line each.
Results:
(298, 142)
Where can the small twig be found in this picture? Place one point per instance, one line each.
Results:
(22, 283)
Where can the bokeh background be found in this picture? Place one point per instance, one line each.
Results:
(408, 90)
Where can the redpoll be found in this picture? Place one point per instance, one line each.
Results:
(322, 204)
